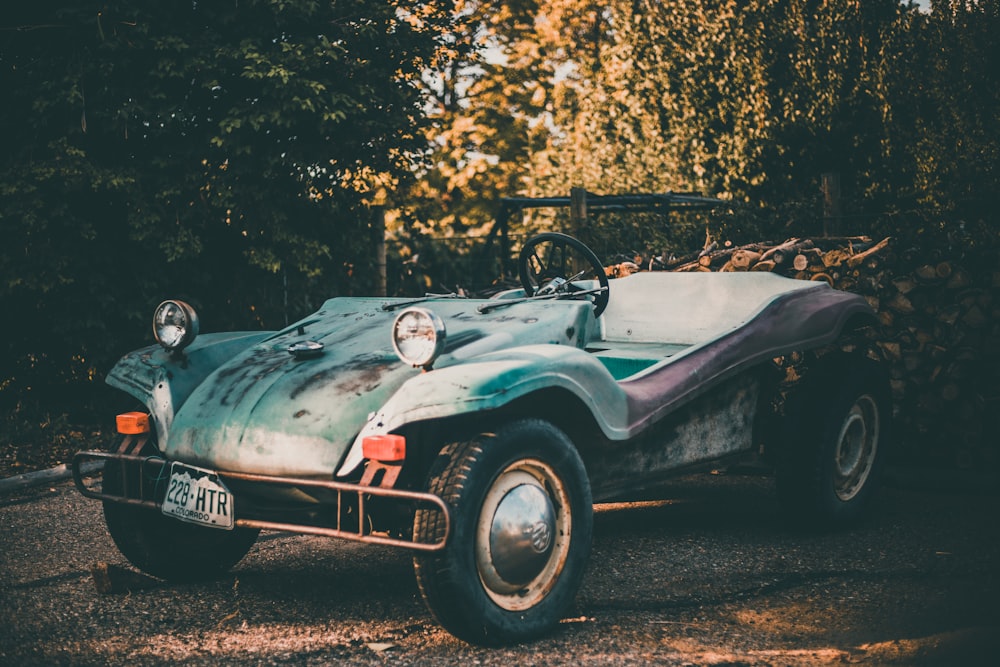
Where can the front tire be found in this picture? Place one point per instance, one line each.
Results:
(522, 519)
(165, 547)
(834, 445)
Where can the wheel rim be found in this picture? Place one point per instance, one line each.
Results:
(523, 535)
(857, 445)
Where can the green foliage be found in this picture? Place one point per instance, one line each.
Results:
(938, 84)
(221, 152)
(752, 101)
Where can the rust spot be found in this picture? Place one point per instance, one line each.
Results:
(234, 382)
(301, 413)
(360, 375)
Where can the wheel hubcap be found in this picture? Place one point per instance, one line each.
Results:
(522, 539)
(521, 535)
(856, 448)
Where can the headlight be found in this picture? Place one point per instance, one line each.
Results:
(175, 325)
(418, 336)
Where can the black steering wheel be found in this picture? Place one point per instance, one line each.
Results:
(551, 263)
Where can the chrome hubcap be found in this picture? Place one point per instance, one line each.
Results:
(522, 539)
(521, 535)
(856, 447)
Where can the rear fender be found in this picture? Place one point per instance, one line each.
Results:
(493, 381)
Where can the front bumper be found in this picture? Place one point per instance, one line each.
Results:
(346, 503)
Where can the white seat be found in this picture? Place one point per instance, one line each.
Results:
(688, 308)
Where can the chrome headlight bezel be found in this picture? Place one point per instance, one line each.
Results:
(418, 336)
(175, 325)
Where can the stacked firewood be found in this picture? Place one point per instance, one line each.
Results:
(828, 259)
(939, 334)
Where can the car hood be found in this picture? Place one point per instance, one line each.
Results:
(266, 411)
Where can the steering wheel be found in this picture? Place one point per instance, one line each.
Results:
(554, 262)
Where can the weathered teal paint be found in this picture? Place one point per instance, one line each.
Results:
(242, 403)
(250, 406)
(494, 380)
(688, 333)
(164, 381)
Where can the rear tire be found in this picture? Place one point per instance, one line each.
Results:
(521, 525)
(834, 442)
(168, 548)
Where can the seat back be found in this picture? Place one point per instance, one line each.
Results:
(688, 308)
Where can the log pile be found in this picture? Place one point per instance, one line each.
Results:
(939, 334)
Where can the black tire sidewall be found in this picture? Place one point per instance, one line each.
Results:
(805, 468)
(167, 548)
(450, 580)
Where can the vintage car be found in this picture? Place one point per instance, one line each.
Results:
(479, 433)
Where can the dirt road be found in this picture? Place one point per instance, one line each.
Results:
(710, 577)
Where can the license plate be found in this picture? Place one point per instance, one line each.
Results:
(198, 496)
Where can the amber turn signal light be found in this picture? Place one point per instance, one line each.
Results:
(386, 448)
(132, 423)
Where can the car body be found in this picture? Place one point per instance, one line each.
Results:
(479, 432)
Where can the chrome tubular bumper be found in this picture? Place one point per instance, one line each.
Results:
(147, 472)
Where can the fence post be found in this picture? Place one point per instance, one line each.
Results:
(831, 204)
(578, 208)
(578, 215)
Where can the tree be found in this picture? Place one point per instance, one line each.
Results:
(750, 101)
(939, 92)
(499, 120)
(220, 152)
(483, 113)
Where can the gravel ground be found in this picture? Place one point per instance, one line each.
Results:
(710, 577)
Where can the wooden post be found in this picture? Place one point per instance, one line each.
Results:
(578, 208)
(831, 204)
(378, 237)
(578, 213)
(504, 223)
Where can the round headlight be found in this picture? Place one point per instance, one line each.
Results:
(418, 336)
(175, 325)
